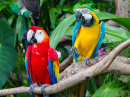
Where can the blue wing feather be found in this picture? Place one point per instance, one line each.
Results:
(75, 32)
(51, 72)
(29, 77)
(101, 37)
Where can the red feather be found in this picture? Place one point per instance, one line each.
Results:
(38, 59)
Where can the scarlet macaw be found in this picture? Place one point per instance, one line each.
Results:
(42, 62)
(87, 38)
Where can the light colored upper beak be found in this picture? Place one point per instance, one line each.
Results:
(30, 35)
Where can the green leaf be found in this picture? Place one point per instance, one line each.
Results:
(7, 51)
(59, 9)
(67, 8)
(53, 16)
(121, 20)
(114, 34)
(89, 87)
(60, 30)
(41, 2)
(75, 7)
(10, 20)
(110, 89)
(61, 2)
(69, 31)
(2, 7)
(18, 25)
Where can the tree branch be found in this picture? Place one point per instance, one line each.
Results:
(88, 72)
(66, 62)
(65, 41)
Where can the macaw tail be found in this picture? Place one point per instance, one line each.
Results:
(41, 95)
(78, 91)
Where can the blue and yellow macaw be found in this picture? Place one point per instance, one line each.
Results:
(87, 38)
(88, 34)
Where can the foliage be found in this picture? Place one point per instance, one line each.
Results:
(60, 30)
(7, 51)
(58, 19)
(110, 89)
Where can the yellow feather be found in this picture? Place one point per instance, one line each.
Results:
(56, 69)
(87, 39)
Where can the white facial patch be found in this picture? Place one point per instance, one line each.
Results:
(87, 16)
(39, 35)
(29, 35)
(85, 13)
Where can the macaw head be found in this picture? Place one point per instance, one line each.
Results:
(37, 35)
(83, 14)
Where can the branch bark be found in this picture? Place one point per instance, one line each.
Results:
(66, 62)
(65, 41)
(86, 74)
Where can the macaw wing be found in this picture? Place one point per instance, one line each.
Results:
(75, 32)
(101, 37)
(53, 65)
(28, 63)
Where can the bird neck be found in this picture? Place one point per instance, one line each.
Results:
(95, 17)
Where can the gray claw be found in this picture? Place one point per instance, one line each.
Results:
(32, 86)
(42, 88)
(72, 64)
(73, 49)
(86, 61)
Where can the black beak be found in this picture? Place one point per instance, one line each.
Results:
(79, 16)
(33, 39)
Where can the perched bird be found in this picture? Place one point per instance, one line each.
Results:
(88, 34)
(34, 7)
(42, 62)
(87, 37)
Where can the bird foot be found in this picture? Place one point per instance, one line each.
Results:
(72, 64)
(73, 49)
(42, 88)
(87, 61)
(32, 86)
(22, 11)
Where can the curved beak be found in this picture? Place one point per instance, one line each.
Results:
(79, 16)
(31, 36)
(33, 39)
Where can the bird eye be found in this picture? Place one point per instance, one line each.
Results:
(40, 32)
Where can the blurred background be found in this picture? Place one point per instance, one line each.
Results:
(57, 17)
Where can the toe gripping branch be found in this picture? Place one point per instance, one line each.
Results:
(32, 86)
(42, 88)
(86, 60)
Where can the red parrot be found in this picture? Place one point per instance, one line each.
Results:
(42, 62)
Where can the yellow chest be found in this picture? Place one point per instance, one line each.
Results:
(87, 40)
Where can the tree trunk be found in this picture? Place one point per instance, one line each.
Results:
(123, 9)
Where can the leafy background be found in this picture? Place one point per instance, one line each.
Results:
(58, 19)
